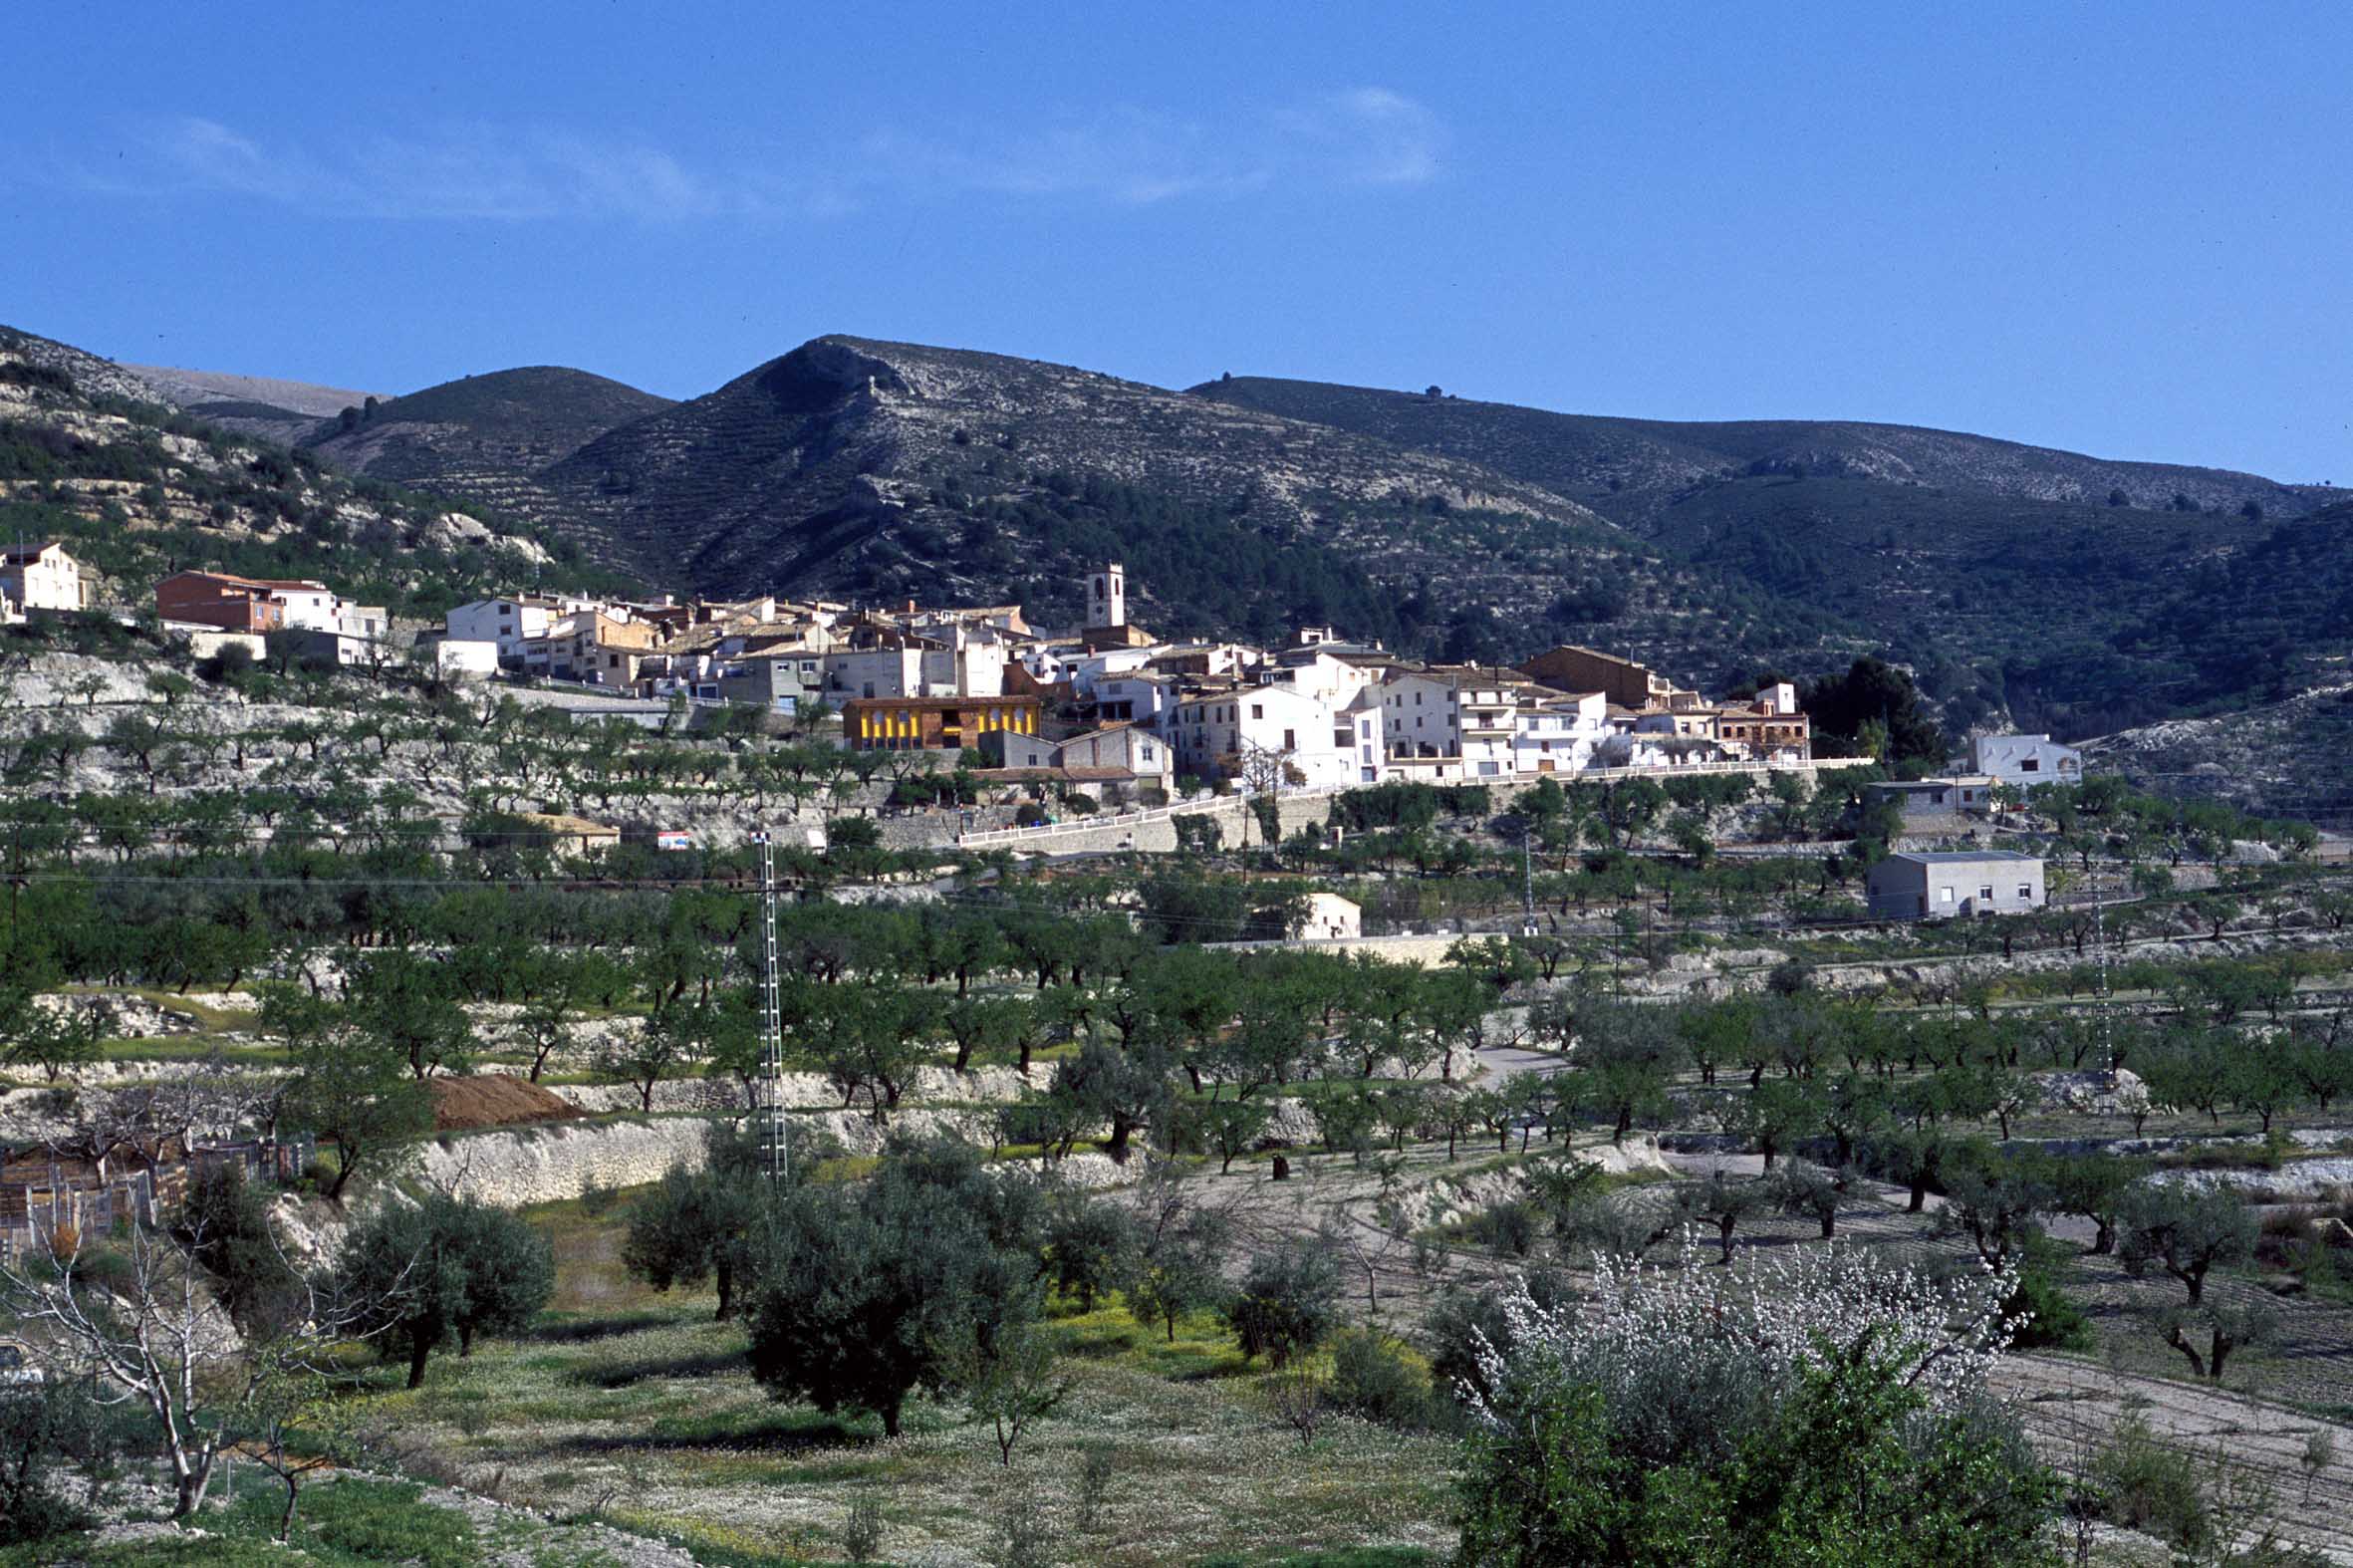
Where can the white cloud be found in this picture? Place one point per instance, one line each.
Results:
(1363, 137)
(1366, 136)
(1372, 135)
(465, 173)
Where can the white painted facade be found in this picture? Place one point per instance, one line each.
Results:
(1213, 732)
(507, 622)
(1560, 736)
(1453, 716)
(1134, 698)
(41, 577)
(455, 656)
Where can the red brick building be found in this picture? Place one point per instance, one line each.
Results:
(216, 599)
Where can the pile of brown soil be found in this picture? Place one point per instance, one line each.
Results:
(494, 1100)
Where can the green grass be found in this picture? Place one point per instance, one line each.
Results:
(641, 1403)
(1356, 1557)
(342, 1523)
(215, 1020)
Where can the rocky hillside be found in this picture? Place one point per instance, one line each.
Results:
(2066, 590)
(882, 469)
(481, 437)
(1634, 469)
(2291, 758)
(262, 406)
(138, 489)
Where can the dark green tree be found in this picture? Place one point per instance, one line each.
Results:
(1288, 1303)
(860, 1296)
(446, 1269)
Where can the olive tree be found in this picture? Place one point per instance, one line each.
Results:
(446, 1269)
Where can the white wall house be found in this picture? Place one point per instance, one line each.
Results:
(1135, 699)
(1364, 725)
(1940, 885)
(1330, 917)
(1087, 673)
(1560, 734)
(309, 606)
(874, 672)
(2026, 760)
(1113, 746)
(1448, 715)
(41, 577)
(1213, 732)
(509, 622)
(458, 657)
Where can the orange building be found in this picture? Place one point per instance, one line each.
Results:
(932, 723)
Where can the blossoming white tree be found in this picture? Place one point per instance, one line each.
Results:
(1649, 1327)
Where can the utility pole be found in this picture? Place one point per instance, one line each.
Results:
(1527, 869)
(774, 1146)
(2107, 1003)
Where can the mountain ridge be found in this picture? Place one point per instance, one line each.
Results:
(1581, 454)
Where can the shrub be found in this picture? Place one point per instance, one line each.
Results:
(1462, 1325)
(2047, 1317)
(1025, 1537)
(1288, 1304)
(861, 1531)
(1095, 1469)
(1373, 1377)
(1512, 1226)
(2142, 1484)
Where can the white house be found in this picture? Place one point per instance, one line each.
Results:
(1113, 747)
(1467, 717)
(874, 672)
(2026, 760)
(1938, 884)
(309, 606)
(455, 658)
(1560, 734)
(1135, 699)
(1088, 674)
(509, 622)
(1216, 734)
(1330, 917)
(41, 577)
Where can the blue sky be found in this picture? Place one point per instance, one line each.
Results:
(2117, 228)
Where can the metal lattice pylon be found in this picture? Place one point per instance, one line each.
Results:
(775, 1148)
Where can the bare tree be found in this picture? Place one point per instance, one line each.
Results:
(1264, 772)
(153, 1336)
(1300, 1397)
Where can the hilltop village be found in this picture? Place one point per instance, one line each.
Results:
(1110, 704)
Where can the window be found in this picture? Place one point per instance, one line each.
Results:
(1257, 710)
(2030, 764)
(1944, 895)
(1986, 893)
(1290, 740)
(1488, 768)
(2027, 891)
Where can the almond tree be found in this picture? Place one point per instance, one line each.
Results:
(148, 1333)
